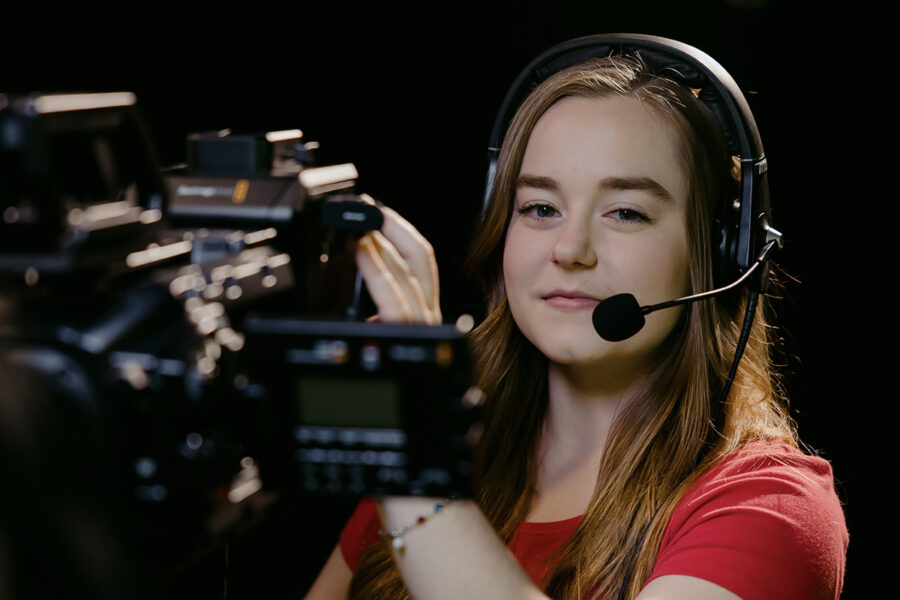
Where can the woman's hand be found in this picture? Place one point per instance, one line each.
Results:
(400, 271)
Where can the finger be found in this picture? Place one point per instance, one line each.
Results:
(416, 251)
(423, 310)
(404, 276)
(386, 292)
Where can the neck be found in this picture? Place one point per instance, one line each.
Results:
(580, 413)
(584, 401)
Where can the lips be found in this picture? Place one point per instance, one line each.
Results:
(570, 300)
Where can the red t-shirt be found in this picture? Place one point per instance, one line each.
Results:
(765, 523)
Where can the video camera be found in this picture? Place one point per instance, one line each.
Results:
(206, 321)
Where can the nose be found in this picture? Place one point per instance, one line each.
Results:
(573, 247)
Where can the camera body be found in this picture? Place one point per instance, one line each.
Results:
(375, 408)
(205, 322)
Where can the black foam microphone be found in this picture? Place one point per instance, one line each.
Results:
(619, 317)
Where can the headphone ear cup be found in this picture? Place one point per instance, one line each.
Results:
(725, 263)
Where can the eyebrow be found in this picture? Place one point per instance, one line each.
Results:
(608, 183)
(636, 183)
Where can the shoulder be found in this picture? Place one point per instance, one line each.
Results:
(765, 474)
(765, 522)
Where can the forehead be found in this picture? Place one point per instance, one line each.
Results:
(579, 138)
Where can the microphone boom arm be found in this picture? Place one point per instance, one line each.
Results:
(763, 257)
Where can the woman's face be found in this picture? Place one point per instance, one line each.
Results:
(598, 210)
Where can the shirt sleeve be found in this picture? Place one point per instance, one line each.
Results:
(765, 525)
(360, 532)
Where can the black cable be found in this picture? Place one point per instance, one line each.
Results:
(717, 416)
(712, 431)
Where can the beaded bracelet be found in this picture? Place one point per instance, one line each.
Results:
(396, 535)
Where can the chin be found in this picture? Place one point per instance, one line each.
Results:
(582, 347)
(578, 346)
(582, 357)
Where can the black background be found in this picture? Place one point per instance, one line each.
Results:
(409, 95)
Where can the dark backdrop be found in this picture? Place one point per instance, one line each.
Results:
(409, 95)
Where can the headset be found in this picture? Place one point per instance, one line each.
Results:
(744, 239)
(744, 228)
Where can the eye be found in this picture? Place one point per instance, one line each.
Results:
(538, 210)
(628, 215)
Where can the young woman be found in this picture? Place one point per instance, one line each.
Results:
(608, 181)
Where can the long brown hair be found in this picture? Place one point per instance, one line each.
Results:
(656, 439)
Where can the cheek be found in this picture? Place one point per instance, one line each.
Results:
(678, 268)
(520, 265)
(517, 262)
(670, 276)
(660, 274)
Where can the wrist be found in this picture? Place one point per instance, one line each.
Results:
(400, 515)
